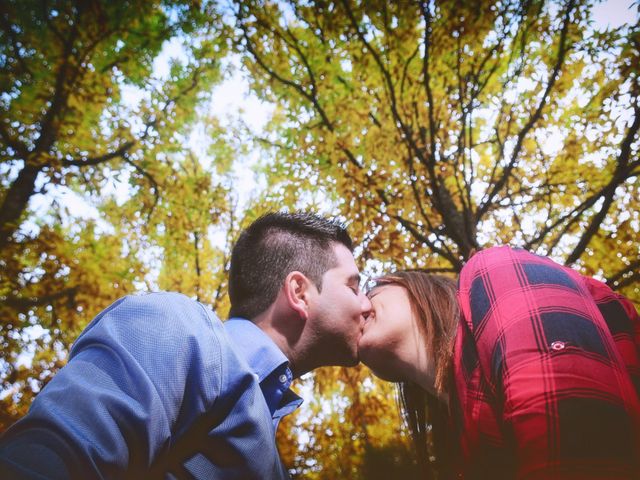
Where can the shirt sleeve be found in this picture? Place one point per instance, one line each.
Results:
(113, 408)
(559, 388)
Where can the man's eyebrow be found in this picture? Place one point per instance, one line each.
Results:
(355, 278)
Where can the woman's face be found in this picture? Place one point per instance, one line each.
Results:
(391, 344)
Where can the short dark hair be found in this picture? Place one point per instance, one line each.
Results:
(275, 245)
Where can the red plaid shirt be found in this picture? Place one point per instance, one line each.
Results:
(547, 372)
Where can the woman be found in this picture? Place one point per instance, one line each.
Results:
(527, 370)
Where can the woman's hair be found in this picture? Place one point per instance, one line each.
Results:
(434, 304)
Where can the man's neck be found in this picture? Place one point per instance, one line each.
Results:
(282, 331)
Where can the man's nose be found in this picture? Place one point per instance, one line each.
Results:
(365, 304)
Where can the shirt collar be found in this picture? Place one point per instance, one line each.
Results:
(268, 363)
(255, 346)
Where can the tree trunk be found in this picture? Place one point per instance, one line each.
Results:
(15, 202)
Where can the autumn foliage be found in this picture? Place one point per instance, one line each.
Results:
(433, 128)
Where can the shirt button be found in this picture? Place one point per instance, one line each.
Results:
(282, 378)
(558, 345)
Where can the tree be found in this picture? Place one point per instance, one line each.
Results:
(68, 125)
(444, 127)
(196, 203)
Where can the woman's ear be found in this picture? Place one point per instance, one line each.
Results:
(296, 290)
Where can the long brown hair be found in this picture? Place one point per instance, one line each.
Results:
(434, 304)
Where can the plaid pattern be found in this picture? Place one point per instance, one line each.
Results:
(546, 372)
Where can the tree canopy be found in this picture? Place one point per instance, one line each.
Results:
(444, 127)
(68, 126)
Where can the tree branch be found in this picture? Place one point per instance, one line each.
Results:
(562, 51)
(619, 177)
(618, 280)
(25, 302)
(90, 161)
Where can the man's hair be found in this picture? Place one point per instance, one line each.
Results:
(275, 245)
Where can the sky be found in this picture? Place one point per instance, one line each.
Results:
(614, 13)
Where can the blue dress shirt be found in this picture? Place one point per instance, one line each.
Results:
(157, 386)
(268, 363)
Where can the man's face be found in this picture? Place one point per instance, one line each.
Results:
(339, 311)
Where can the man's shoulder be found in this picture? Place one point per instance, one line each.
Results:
(161, 299)
(161, 315)
(173, 304)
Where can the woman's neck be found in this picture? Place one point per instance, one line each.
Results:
(422, 372)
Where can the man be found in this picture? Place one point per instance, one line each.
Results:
(157, 387)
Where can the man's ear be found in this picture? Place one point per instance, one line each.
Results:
(296, 290)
